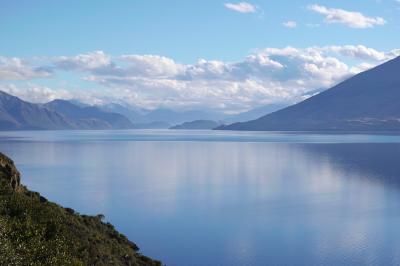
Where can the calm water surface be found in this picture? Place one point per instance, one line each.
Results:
(227, 198)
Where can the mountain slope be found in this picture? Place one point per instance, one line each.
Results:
(16, 114)
(34, 231)
(89, 117)
(254, 113)
(367, 101)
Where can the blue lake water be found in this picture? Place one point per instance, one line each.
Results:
(227, 198)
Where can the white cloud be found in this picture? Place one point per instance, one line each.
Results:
(12, 68)
(152, 65)
(242, 7)
(349, 18)
(93, 60)
(361, 52)
(290, 24)
(361, 67)
(35, 93)
(267, 76)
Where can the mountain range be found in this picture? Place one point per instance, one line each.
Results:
(368, 101)
(167, 116)
(88, 117)
(16, 114)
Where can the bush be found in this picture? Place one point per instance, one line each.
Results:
(34, 231)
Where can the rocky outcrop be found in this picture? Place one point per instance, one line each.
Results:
(9, 173)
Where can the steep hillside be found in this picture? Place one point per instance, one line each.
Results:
(16, 114)
(89, 117)
(34, 231)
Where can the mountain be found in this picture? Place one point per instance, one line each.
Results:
(135, 115)
(368, 101)
(163, 117)
(16, 114)
(160, 117)
(89, 117)
(254, 113)
(35, 231)
(197, 124)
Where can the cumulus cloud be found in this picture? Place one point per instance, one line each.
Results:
(266, 76)
(361, 52)
(242, 7)
(349, 18)
(12, 68)
(151, 66)
(290, 24)
(35, 93)
(93, 60)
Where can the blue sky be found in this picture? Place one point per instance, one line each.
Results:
(171, 42)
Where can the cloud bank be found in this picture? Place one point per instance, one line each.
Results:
(18, 69)
(266, 76)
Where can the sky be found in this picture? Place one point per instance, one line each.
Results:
(228, 56)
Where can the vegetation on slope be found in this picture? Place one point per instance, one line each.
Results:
(34, 231)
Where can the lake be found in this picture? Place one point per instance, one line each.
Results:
(227, 198)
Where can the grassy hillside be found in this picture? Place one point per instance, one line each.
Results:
(34, 231)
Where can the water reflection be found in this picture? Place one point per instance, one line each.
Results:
(228, 202)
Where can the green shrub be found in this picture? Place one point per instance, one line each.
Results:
(34, 231)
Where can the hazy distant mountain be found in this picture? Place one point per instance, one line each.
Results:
(136, 115)
(143, 118)
(16, 114)
(89, 117)
(197, 124)
(367, 101)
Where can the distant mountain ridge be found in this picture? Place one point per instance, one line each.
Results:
(164, 118)
(368, 101)
(89, 117)
(16, 114)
